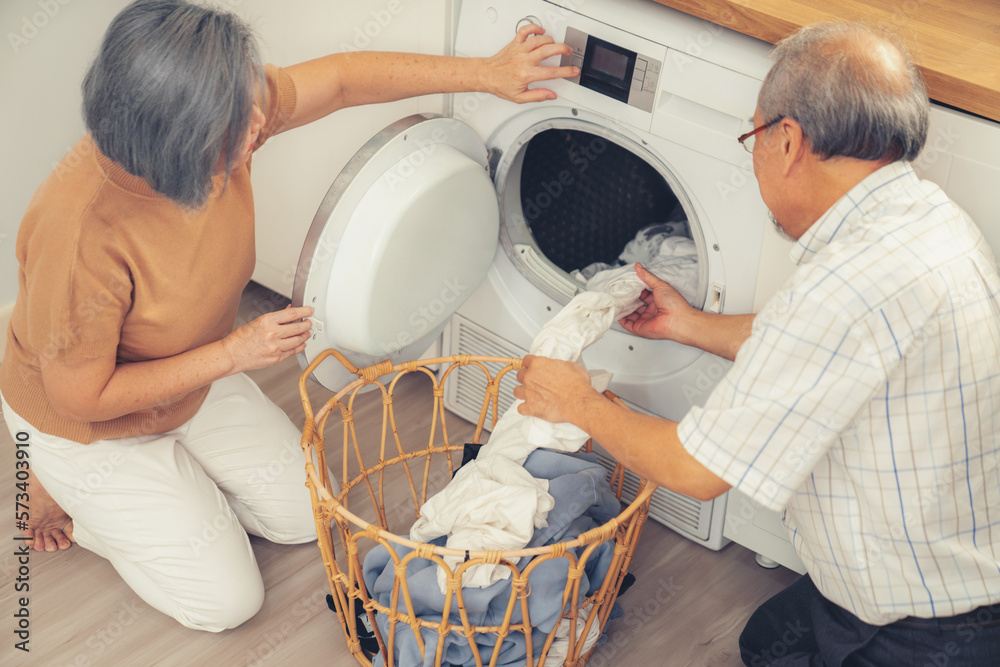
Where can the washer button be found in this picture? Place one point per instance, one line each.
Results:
(526, 20)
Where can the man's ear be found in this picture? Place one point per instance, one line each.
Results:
(790, 145)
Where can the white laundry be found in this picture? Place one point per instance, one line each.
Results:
(490, 505)
(677, 263)
(664, 249)
(646, 244)
(556, 656)
(591, 270)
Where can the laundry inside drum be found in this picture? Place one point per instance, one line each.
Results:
(592, 205)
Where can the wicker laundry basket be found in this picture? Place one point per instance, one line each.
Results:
(363, 493)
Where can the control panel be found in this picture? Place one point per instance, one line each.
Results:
(612, 70)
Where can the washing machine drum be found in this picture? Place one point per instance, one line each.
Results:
(403, 237)
(601, 203)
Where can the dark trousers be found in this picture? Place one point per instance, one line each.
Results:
(799, 627)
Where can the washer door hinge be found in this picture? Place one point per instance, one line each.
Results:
(493, 156)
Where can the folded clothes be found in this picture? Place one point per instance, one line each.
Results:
(582, 500)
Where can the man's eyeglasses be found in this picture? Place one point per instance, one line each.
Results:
(747, 140)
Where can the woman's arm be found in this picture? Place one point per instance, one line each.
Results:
(341, 80)
(102, 389)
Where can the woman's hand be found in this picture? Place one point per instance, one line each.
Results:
(508, 73)
(553, 390)
(269, 339)
(662, 312)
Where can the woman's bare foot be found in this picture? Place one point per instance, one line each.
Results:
(49, 527)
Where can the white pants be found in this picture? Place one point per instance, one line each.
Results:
(172, 511)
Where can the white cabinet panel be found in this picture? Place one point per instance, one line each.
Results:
(759, 530)
(962, 155)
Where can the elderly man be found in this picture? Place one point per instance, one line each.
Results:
(864, 401)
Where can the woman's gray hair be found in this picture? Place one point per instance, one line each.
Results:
(852, 89)
(172, 88)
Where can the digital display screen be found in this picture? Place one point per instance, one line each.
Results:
(609, 62)
(607, 68)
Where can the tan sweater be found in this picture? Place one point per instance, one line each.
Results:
(108, 266)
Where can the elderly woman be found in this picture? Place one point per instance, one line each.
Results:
(122, 364)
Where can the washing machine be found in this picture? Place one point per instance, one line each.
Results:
(465, 229)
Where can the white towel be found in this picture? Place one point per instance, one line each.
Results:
(493, 503)
(663, 249)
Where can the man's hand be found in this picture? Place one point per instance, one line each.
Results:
(508, 73)
(553, 390)
(666, 315)
(662, 311)
(560, 391)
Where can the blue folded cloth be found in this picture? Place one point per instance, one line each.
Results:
(583, 501)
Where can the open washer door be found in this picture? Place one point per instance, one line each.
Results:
(403, 237)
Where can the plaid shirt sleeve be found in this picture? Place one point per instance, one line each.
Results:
(797, 383)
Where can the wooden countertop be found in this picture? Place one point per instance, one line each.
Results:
(956, 43)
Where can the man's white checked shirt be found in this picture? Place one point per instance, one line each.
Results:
(866, 404)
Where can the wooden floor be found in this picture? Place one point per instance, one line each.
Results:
(688, 606)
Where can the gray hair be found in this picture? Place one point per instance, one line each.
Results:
(852, 89)
(171, 89)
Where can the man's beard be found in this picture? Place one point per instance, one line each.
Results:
(778, 228)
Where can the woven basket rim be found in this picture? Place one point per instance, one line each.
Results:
(583, 539)
(369, 375)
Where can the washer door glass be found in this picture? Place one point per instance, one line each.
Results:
(405, 234)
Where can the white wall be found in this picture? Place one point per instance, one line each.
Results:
(48, 45)
(45, 51)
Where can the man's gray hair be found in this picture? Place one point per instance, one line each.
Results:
(852, 89)
(172, 88)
